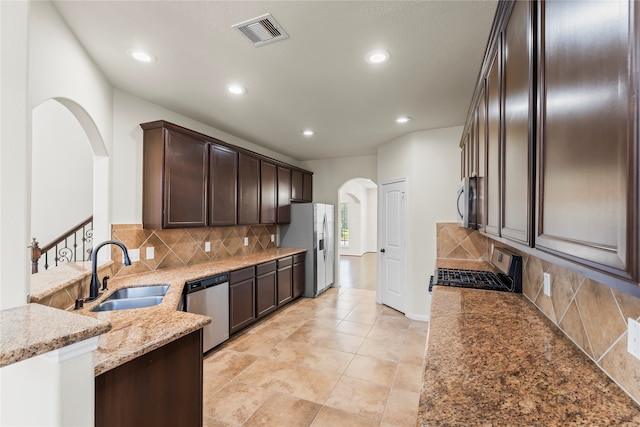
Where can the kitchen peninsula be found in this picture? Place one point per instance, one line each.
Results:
(494, 359)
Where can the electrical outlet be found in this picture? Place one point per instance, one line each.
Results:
(134, 255)
(151, 252)
(273, 237)
(633, 342)
(246, 241)
(547, 284)
(207, 246)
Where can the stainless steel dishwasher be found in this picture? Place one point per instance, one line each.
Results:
(210, 297)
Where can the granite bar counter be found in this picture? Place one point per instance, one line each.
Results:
(493, 359)
(139, 331)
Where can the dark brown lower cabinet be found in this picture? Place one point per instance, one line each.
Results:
(298, 274)
(285, 278)
(160, 388)
(266, 288)
(242, 299)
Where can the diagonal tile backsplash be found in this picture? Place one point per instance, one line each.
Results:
(594, 316)
(186, 246)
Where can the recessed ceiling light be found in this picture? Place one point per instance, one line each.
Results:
(403, 119)
(141, 55)
(307, 132)
(236, 89)
(377, 56)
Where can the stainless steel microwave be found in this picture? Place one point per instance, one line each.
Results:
(467, 202)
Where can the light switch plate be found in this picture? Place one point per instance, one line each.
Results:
(633, 343)
(151, 252)
(246, 241)
(134, 255)
(207, 246)
(273, 237)
(547, 284)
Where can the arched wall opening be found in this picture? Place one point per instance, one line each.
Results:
(357, 221)
(66, 146)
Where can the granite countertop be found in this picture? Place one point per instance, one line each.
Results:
(494, 359)
(142, 330)
(35, 329)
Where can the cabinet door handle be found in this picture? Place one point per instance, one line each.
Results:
(382, 250)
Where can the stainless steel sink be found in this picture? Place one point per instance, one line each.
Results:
(128, 303)
(139, 292)
(135, 297)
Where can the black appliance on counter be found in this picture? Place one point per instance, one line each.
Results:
(508, 278)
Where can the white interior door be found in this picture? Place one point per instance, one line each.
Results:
(393, 248)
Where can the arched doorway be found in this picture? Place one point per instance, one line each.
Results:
(357, 218)
(65, 145)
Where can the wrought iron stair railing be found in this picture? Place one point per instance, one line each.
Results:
(73, 246)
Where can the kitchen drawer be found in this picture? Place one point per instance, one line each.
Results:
(240, 275)
(285, 262)
(297, 258)
(265, 268)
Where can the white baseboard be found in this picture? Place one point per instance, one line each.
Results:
(420, 317)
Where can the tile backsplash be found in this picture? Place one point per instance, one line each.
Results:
(186, 246)
(594, 316)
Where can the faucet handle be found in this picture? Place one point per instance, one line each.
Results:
(104, 283)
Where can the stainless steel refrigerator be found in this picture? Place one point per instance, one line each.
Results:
(312, 228)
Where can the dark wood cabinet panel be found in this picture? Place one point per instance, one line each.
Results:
(297, 184)
(242, 302)
(223, 185)
(248, 189)
(587, 147)
(268, 192)
(517, 138)
(480, 117)
(175, 174)
(492, 178)
(266, 288)
(285, 280)
(160, 388)
(307, 187)
(298, 275)
(283, 214)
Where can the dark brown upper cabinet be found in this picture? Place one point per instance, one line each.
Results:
(248, 189)
(223, 185)
(492, 178)
(587, 191)
(268, 192)
(174, 181)
(301, 186)
(517, 135)
(283, 214)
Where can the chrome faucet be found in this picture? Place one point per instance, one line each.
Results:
(95, 283)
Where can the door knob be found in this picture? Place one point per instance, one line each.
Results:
(382, 250)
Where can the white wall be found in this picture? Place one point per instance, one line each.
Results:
(62, 172)
(430, 162)
(15, 155)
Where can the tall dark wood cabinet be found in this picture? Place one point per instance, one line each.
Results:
(268, 192)
(283, 214)
(266, 288)
(298, 274)
(160, 388)
(174, 181)
(517, 138)
(492, 178)
(242, 299)
(587, 191)
(223, 185)
(248, 189)
(285, 280)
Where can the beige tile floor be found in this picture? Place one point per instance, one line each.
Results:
(336, 360)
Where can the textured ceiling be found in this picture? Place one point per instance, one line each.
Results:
(317, 78)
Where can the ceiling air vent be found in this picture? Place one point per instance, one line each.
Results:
(262, 30)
